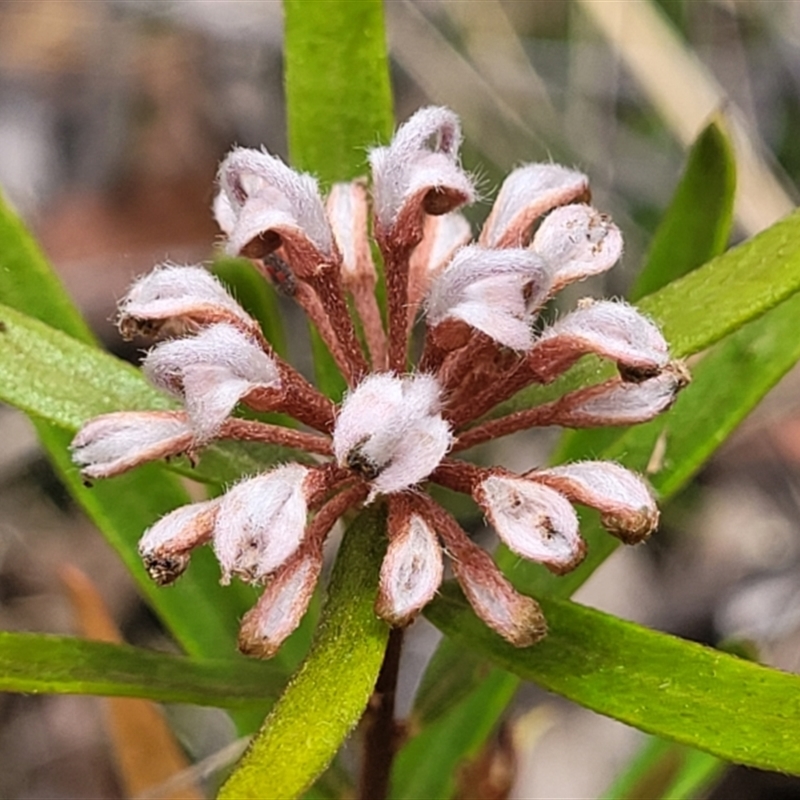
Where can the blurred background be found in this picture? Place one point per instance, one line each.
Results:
(113, 117)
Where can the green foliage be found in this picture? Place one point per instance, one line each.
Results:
(39, 663)
(735, 709)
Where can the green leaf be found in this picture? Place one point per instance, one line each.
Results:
(40, 663)
(327, 696)
(679, 690)
(338, 102)
(428, 766)
(666, 771)
(697, 225)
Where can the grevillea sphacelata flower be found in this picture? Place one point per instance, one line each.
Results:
(404, 420)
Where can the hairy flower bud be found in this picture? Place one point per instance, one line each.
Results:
(609, 329)
(577, 241)
(264, 205)
(492, 291)
(533, 520)
(418, 174)
(213, 371)
(412, 569)
(261, 522)
(627, 507)
(173, 300)
(114, 443)
(527, 194)
(165, 546)
(390, 430)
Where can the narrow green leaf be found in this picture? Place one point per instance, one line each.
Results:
(338, 102)
(679, 690)
(40, 663)
(666, 771)
(327, 696)
(697, 225)
(428, 767)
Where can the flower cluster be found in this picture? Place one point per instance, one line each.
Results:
(399, 426)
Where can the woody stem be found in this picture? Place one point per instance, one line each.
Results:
(380, 729)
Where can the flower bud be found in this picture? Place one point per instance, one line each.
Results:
(492, 291)
(281, 607)
(264, 205)
(527, 194)
(609, 329)
(165, 546)
(418, 174)
(626, 505)
(213, 371)
(412, 568)
(114, 443)
(173, 300)
(534, 521)
(261, 523)
(577, 241)
(389, 430)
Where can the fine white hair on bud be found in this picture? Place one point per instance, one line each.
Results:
(613, 330)
(577, 241)
(535, 521)
(114, 443)
(261, 522)
(390, 430)
(527, 194)
(620, 402)
(626, 505)
(493, 291)
(212, 371)
(175, 299)
(282, 605)
(412, 568)
(264, 204)
(165, 546)
(419, 171)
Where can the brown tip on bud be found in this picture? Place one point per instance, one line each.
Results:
(262, 245)
(631, 528)
(680, 373)
(440, 200)
(165, 570)
(632, 374)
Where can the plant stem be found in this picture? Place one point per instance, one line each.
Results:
(380, 730)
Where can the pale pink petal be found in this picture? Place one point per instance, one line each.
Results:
(411, 571)
(114, 443)
(577, 241)
(165, 546)
(527, 194)
(534, 521)
(623, 499)
(612, 330)
(282, 605)
(261, 522)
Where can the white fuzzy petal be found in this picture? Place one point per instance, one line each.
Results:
(622, 497)
(261, 522)
(423, 155)
(282, 605)
(533, 520)
(411, 571)
(263, 195)
(490, 290)
(577, 241)
(390, 429)
(113, 443)
(526, 194)
(213, 371)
